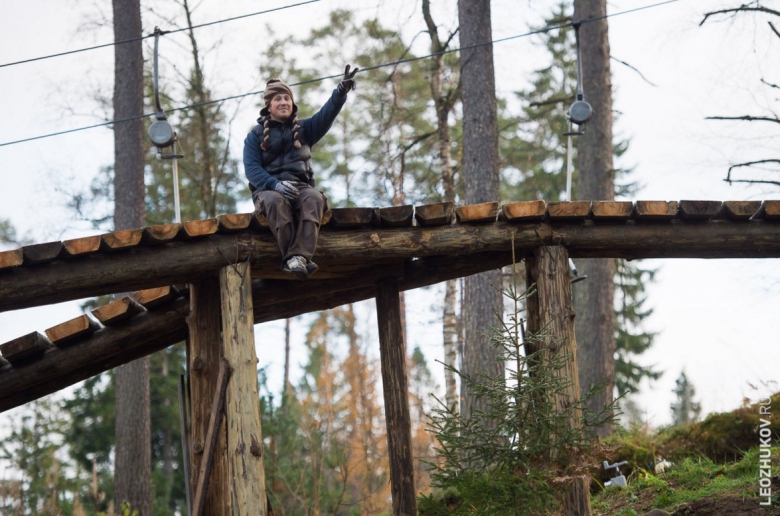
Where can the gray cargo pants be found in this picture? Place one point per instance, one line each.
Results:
(296, 223)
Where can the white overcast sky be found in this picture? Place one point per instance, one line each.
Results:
(717, 319)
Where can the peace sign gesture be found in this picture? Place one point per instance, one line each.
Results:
(348, 82)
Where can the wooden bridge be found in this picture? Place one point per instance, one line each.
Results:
(181, 271)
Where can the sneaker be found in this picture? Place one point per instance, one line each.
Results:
(311, 267)
(296, 266)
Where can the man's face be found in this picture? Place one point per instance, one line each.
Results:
(281, 107)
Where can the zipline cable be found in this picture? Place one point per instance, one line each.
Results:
(152, 35)
(320, 79)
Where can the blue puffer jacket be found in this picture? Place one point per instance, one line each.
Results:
(282, 161)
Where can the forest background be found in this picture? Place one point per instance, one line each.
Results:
(713, 318)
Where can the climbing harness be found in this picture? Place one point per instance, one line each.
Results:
(162, 134)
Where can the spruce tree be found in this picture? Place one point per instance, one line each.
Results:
(685, 409)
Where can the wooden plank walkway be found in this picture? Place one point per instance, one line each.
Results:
(419, 246)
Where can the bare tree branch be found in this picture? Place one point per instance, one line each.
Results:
(747, 118)
(750, 164)
(741, 8)
(774, 29)
(770, 84)
(636, 70)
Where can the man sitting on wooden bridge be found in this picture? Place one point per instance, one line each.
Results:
(277, 162)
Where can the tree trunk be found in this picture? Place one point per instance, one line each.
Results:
(480, 173)
(133, 464)
(593, 298)
(444, 104)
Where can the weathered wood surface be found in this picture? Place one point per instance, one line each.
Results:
(551, 315)
(272, 300)
(739, 210)
(484, 212)
(439, 214)
(12, 258)
(107, 348)
(27, 347)
(568, 210)
(244, 433)
(699, 210)
(231, 223)
(396, 216)
(39, 253)
(180, 262)
(121, 239)
(576, 496)
(526, 211)
(117, 311)
(655, 210)
(153, 297)
(72, 331)
(772, 210)
(161, 233)
(611, 210)
(84, 245)
(395, 385)
(205, 352)
(199, 228)
(215, 420)
(351, 217)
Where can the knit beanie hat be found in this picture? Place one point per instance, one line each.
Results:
(273, 88)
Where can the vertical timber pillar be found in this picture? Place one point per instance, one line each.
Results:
(550, 311)
(392, 350)
(244, 434)
(205, 351)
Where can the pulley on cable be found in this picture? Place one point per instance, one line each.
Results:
(162, 134)
(579, 114)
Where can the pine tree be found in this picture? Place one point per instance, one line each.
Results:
(685, 410)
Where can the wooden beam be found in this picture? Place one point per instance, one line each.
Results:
(484, 212)
(244, 433)
(180, 262)
(84, 245)
(117, 311)
(232, 223)
(215, 420)
(551, 317)
(200, 228)
(611, 210)
(699, 210)
(39, 253)
(12, 258)
(739, 210)
(527, 211)
(105, 349)
(396, 216)
(351, 217)
(121, 239)
(151, 298)
(568, 210)
(29, 347)
(392, 352)
(439, 214)
(161, 233)
(204, 358)
(152, 331)
(72, 331)
(655, 210)
(772, 210)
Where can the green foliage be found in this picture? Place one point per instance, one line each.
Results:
(7, 233)
(685, 409)
(502, 461)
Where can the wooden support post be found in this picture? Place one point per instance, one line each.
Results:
(392, 350)
(244, 434)
(205, 351)
(550, 312)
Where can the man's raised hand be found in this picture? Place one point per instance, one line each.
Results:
(348, 82)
